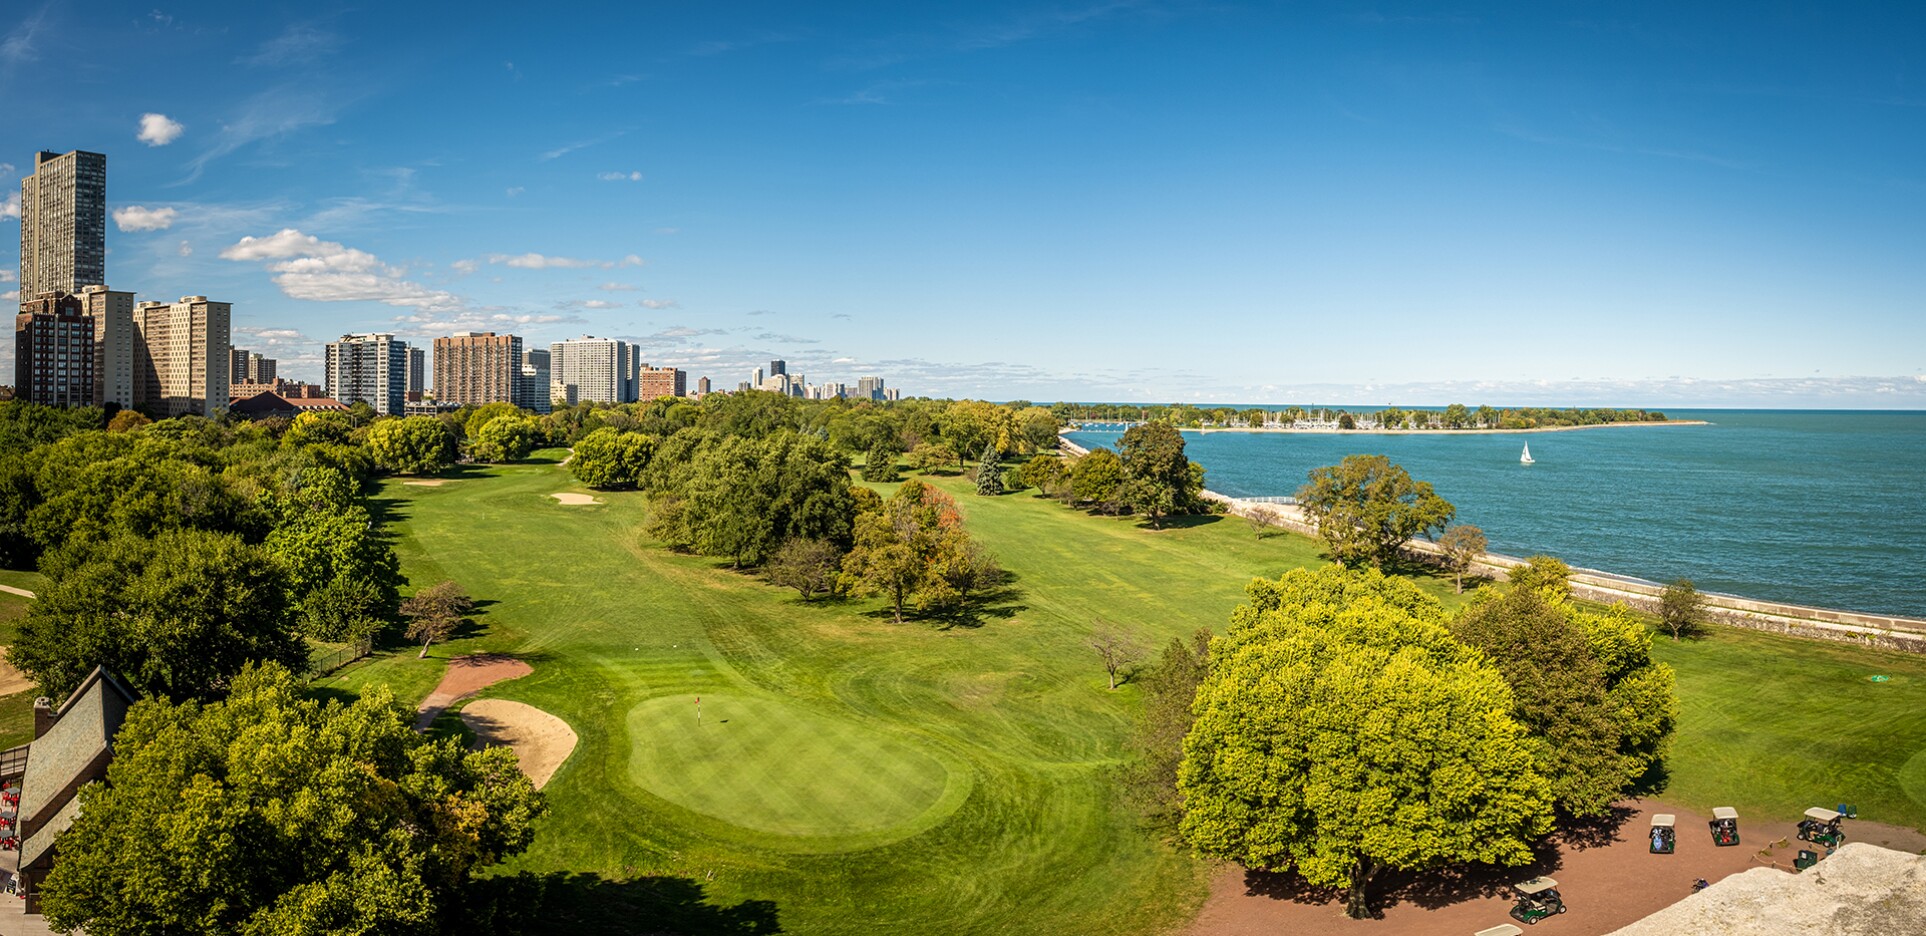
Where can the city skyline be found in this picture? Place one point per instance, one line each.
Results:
(1130, 201)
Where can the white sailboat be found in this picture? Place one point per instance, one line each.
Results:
(1526, 458)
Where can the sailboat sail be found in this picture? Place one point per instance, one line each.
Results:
(1526, 458)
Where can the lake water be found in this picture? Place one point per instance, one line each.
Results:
(1817, 508)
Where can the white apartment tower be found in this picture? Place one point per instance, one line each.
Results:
(371, 369)
(63, 223)
(180, 357)
(593, 370)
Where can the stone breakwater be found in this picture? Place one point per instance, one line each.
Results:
(1886, 632)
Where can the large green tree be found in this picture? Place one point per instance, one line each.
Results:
(1367, 508)
(342, 575)
(1096, 478)
(912, 549)
(274, 813)
(505, 438)
(412, 445)
(745, 497)
(178, 615)
(610, 459)
(1338, 739)
(1158, 478)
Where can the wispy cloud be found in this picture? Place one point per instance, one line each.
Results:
(137, 218)
(722, 46)
(268, 115)
(786, 339)
(21, 44)
(619, 176)
(299, 44)
(535, 261)
(158, 129)
(1529, 135)
(307, 267)
(10, 205)
(616, 287)
(660, 304)
(882, 92)
(1044, 22)
(567, 148)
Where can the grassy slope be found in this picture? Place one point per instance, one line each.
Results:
(1015, 707)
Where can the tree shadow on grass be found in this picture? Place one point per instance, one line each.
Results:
(576, 903)
(1182, 522)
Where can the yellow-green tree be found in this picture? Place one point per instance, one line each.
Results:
(1340, 738)
(1367, 508)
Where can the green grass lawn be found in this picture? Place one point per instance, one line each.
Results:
(855, 775)
(1771, 725)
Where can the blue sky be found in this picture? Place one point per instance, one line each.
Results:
(1561, 203)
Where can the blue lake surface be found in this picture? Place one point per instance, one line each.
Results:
(1818, 508)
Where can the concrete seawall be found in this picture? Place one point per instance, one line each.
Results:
(1886, 632)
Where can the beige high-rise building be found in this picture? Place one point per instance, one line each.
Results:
(181, 357)
(113, 314)
(53, 351)
(478, 367)
(593, 370)
(63, 223)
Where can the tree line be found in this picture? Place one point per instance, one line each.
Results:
(1454, 416)
(1148, 474)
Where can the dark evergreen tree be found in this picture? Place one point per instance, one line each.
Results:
(989, 472)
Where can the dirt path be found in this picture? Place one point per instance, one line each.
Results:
(1608, 876)
(11, 679)
(466, 676)
(541, 741)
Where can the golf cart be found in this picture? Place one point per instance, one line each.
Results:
(1725, 826)
(1502, 929)
(1664, 837)
(1537, 899)
(1821, 827)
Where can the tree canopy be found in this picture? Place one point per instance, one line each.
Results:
(1158, 479)
(1338, 739)
(178, 615)
(272, 812)
(1367, 508)
(912, 548)
(412, 445)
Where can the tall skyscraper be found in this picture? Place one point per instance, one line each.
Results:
(535, 381)
(113, 315)
(181, 356)
(702, 387)
(869, 388)
(262, 369)
(417, 368)
(63, 223)
(594, 370)
(369, 369)
(53, 351)
(237, 365)
(778, 367)
(477, 367)
(661, 382)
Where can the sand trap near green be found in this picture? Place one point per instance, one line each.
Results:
(771, 767)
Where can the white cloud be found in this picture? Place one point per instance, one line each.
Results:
(514, 190)
(158, 129)
(186, 249)
(11, 295)
(10, 206)
(6, 276)
(535, 261)
(600, 304)
(616, 287)
(465, 266)
(661, 304)
(310, 268)
(137, 218)
(668, 230)
(619, 176)
(6, 168)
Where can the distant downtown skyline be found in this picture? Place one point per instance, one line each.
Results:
(1594, 205)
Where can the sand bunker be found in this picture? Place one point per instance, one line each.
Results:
(574, 499)
(541, 741)
(433, 482)
(466, 676)
(1861, 889)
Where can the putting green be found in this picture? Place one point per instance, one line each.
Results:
(776, 768)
